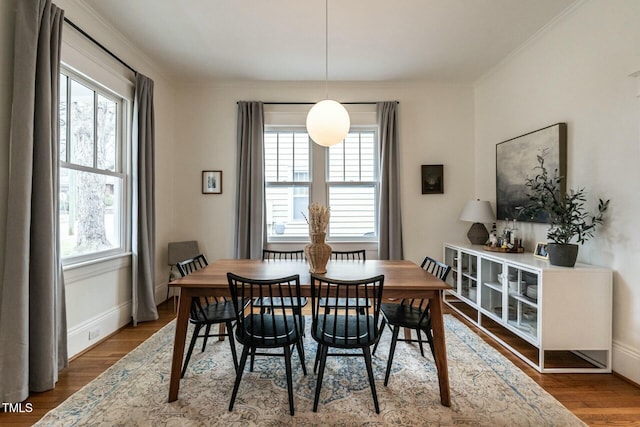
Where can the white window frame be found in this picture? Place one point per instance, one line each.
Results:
(122, 165)
(319, 186)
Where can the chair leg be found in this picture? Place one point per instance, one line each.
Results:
(394, 341)
(323, 361)
(430, 340)
(206, 336)
(317, 359)
(287, 366)
(420, 342)
(300, 348)
(367, 360)
(236, 385)
(232, 344)
(192, 344)
(253, 359)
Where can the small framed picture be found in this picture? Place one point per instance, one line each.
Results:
(211, 182)
(432, 179)
(541, 251)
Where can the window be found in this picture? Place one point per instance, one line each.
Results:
(287, 177)
(352, 186)
(92, 172)
(345, 179)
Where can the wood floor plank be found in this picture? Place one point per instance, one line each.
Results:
(597, 399)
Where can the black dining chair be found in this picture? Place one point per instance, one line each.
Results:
(355, 255)
(269, 254)
(207, 311)
(266, 302)
(348, 327)
(413, 314)
(275, 327)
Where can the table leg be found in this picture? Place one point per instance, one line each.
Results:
(221, 329)
(182, 320)
(437, 324)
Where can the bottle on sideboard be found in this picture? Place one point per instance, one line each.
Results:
(515, 234)
(506, 234)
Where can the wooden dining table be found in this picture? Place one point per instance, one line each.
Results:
(402, 279)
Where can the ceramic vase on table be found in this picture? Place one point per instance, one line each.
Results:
(317, 253)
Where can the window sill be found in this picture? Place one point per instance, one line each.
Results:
(95, 267)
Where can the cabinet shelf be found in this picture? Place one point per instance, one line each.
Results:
(494, 285)
(572, 313)
(525, 299)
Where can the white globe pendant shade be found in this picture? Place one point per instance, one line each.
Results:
(328, 123)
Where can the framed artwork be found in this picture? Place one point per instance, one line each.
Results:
(541, 251)
(211, 182)
(516, 160)
(432, 179)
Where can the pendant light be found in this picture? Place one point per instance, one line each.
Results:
(327, 121)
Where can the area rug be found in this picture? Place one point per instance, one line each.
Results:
(486, 389)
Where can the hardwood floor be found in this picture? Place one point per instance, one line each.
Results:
(597, 399)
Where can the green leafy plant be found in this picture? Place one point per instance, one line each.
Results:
(566, 213)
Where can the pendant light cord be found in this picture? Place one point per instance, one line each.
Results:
(326, 48)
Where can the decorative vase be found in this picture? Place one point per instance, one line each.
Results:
(564, 255)
(317, 253)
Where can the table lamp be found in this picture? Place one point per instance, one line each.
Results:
(478, 212)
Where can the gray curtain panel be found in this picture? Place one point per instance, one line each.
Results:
(33, 331)
(143, 241)
(250, 229)
(390, 227)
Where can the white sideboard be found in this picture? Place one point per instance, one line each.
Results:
(557, 319)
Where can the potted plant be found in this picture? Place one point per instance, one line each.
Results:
(565, 212)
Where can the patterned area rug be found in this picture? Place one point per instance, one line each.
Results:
(486, 389)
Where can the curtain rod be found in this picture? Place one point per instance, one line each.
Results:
(312, 103)
(97, 43)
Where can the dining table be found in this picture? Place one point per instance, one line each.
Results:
(402, 279)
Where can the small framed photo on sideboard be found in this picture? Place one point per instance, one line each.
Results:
(541, 251)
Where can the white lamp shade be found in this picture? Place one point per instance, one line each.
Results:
(477, 211)
(328, 123)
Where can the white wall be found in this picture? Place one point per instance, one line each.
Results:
(435, 127)
(578, 71)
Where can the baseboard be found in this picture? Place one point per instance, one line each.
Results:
(160, 292)
(626, 362)
(90, 332)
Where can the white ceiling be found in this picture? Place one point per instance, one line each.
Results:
(369, 40)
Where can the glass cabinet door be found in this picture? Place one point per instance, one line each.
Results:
(469, 272)
(491, 291)
(522, 286)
